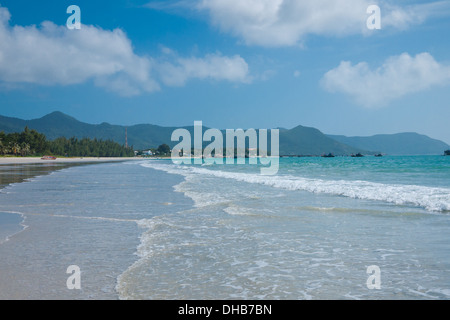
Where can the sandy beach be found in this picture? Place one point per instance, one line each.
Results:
(18, 169)
(33, 160)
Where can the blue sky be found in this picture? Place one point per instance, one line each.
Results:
(231, 64)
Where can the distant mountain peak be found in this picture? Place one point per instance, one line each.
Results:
(55, 115)
(300, 140)
(404, 143)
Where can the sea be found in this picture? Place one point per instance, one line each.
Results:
(371, 228)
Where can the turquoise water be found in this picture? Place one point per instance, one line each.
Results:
(154, 230)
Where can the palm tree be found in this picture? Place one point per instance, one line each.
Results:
(2, 148)
(25, 149)
(15, 148)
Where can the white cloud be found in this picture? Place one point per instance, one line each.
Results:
(407, 16)
(213, 66)
(398, 76)
(54, 55)
(288, 22)
(284, 22)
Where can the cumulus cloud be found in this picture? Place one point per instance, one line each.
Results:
(53, 55)
(398, 76)
(288, 22)
(407, 16)
(212, 66)
(285, 22)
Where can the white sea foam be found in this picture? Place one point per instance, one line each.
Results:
(22, 224)
(198, 253)
(431, 198)
(238, 211)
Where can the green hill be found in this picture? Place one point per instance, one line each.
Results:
(310, 141)
(10, 125)
(297, 141)
(408, 143)
(58, 124)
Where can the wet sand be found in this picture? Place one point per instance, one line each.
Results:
(15, 170)
(28, 160)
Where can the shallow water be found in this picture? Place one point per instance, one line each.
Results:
(154, 230)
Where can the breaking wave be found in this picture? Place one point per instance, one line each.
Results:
(430, 198)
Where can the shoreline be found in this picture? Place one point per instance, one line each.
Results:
(34, 160)
(63, 231)
(18, 169)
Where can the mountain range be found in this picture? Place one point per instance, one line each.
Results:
(297, 141)
(407, 143)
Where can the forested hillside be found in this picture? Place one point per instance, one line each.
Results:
(30, 142)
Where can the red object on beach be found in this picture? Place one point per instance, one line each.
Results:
(48, 158)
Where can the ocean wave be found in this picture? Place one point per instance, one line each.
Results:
(239, 211)
(432, 199)
(21, 224)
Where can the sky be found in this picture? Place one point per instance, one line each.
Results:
(231, 63)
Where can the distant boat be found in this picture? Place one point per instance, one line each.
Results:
(447, 152)
(48, 158)
(330, 155)
(378, 155)
(358, 155)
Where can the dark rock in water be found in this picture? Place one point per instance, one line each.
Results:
(330, 155)
(358, 155)
(378, 155)
(447, 152)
